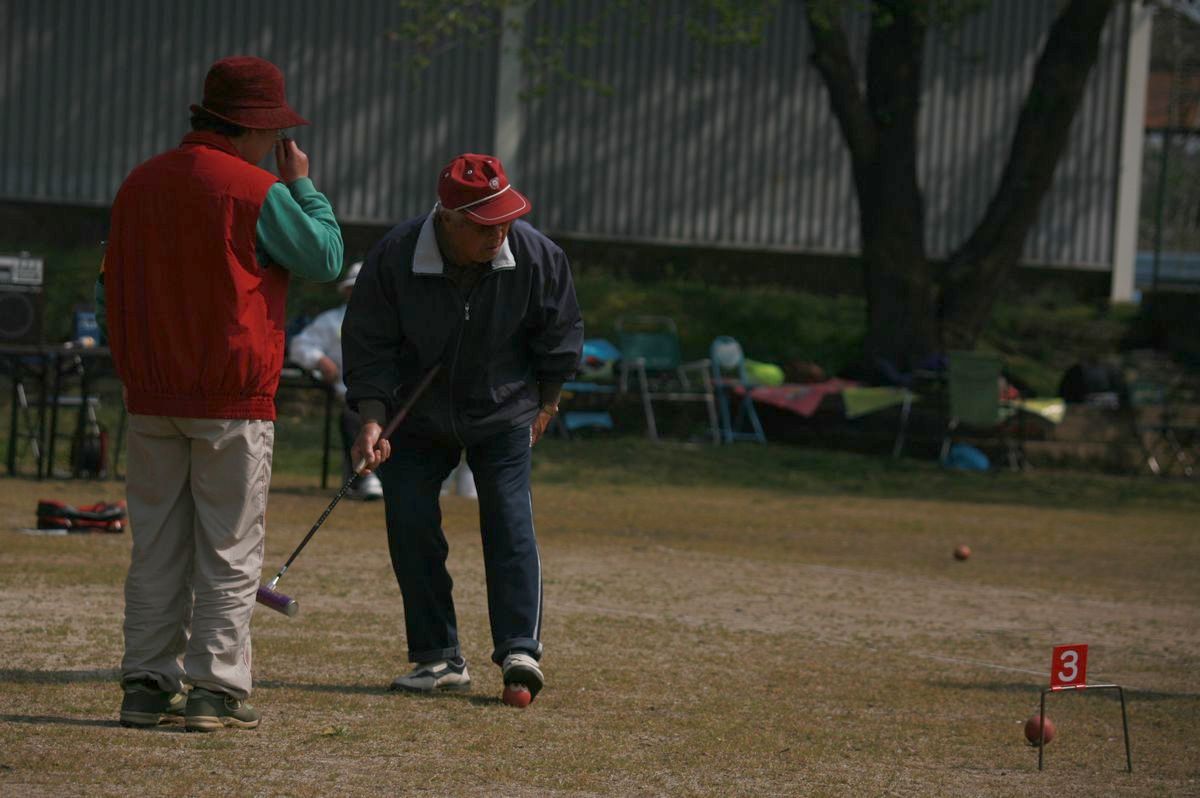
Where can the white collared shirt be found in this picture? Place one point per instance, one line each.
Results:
(427, 258)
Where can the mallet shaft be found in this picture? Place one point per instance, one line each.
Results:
(268, 595)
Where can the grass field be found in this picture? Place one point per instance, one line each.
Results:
(747, 621)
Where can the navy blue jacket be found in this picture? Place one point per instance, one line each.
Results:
(520, 325)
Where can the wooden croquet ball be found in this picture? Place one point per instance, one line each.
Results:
(517, 695)
(962, 552)
(1033, 729)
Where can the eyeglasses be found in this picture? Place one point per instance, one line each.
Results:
(281, 135)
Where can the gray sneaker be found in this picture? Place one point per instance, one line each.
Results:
(208, 711)
(429, 677)
(521, 668)
(145, 705)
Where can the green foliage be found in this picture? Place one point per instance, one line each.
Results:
(772, 324)
(725, 23)
(430, 28)
(942, 14)
(1043, 336)
(70, 278)
(1039, 337)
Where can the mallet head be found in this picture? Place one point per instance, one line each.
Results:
(277, 601)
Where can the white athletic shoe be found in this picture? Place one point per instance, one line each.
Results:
(366, 488)
(466, 482)
(521, 668)
(461, 482)
(429, 677)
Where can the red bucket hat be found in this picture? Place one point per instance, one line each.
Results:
(477, 186)
(248, 91)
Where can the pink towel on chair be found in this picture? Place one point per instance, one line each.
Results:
(802, 399)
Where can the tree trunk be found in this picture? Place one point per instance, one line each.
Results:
(977, 271)
(880, 131)
(902, 288)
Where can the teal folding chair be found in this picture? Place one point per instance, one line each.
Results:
(650, 353)
(730, 379)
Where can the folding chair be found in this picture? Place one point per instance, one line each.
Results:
(973, 387)
(650, 351)
(587, 400)
(729, 378)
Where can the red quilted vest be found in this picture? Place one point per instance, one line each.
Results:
(195, 321)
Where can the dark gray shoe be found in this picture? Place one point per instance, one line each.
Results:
(208, 711)
(145, 705)
(430, 677)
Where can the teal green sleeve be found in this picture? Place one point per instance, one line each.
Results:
(297, 229)
(101, 319)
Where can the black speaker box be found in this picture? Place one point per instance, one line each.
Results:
(21, 301)
(21, 314)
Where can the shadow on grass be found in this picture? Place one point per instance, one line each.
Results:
(475, 699)
(346, 689)
(1131, 693)
(363, 689)
(794, 469)
(59, 677)
(55, 720)
(990, 687)
(822, 472)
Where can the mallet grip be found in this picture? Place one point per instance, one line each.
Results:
(402, 413)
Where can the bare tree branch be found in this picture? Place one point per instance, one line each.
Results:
(831, 58)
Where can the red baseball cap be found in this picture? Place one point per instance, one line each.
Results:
(477, 186)
(248, 91)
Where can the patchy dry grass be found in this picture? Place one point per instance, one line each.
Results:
(743, 621)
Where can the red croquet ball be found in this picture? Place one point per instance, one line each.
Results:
(962, 552)
(517, 695)
(1033, 729)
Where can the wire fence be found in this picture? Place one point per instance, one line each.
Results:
(1169, 229)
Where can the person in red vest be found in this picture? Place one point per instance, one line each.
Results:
(192, 290)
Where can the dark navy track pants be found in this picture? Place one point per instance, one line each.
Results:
(412, 479)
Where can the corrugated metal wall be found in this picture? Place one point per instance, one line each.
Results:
(730, 147)
(90, 89)
(738, 146)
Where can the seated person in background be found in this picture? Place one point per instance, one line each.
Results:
(1095, 382)
(319, 347)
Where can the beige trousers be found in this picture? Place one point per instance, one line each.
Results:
(197, 495)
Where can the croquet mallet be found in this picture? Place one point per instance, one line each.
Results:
(267, 594)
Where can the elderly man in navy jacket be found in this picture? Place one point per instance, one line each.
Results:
(491, 301)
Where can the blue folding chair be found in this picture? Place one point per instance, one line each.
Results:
(729, 374)
(588, 397)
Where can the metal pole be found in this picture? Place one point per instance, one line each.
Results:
(47, 361)
(1042, 730)
(15, 360)
(1125, 724)
(325, 437)
(1160, 208)
(58, 382)
(1076, 688)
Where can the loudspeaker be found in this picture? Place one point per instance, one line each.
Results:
(21, 301)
